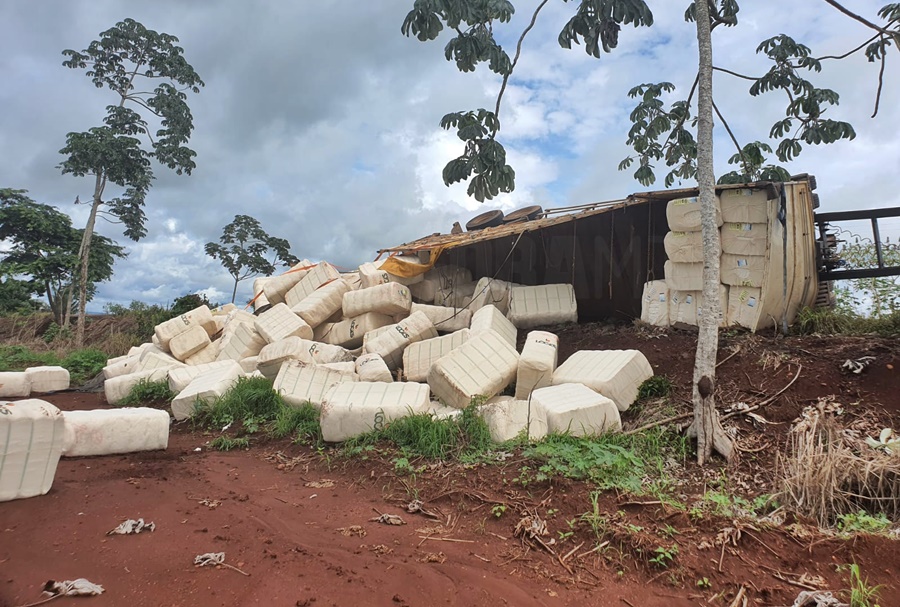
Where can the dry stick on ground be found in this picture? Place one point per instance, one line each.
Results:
(768, 400)
(740, 595)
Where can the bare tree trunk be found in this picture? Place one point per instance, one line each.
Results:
(234, 293)
(67, 304)
(84, 253)
(706, 426)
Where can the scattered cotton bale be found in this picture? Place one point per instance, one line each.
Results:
(577, 410)
(204, 389)
(420, 356)
(249, 364)
(344, 367)
(683, 214)
(456, 296)
(110, 431)
(189, 342)
(483, 366)
(353, 280)
(117, 388)
(449, 276)
(349, 333)
(536, 363)
(445, 320)
(272, 356)
(542, 305)
(371, 367)
(180, 377)
(416, 271)
(491, 291)
(326, 353)
(201, 316)
(300, 383)
(508, 418)
(655, 303)
(278, 322)
(322, 303)
(684, 276)
(441, 412)
(243, 341)
(371, 276)
(616, 374)
(354, 408)
(320, 274)
(122, 366)
(275, 287)
(424, 291)
(48, 378)
(489, 318)
(14, 384)
(390, 298)
(390, 344)
(260, 300)
(208, 354)
(372, 334)
(31, 441)
(684, 247)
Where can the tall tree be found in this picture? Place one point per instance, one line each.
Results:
(124, 58)
(43, 246)
(657, 133)
(243, 249)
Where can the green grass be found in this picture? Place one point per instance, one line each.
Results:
(655, 387)
(84, 365)
(862, 522)
(860, 593)
(228, 443)
(81, 364)
(147, 392)
(827, 321)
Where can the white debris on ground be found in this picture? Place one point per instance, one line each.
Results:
(79, 587)
(132, 527)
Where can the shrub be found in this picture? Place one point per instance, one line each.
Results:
(147, 392)
(84, 364)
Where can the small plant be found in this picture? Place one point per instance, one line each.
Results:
(669, 531)
(664, 557)
(596, 521)
(656, 387)
(704, 583)
(402, 467)
(147, 392)
(860, 593)
(563, 535)
(227, 443)
(862, 522)
(84, 365)
(498, 510)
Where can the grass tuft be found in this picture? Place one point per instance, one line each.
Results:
(147, 392)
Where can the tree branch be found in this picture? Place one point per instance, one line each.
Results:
(859, 18)
(880, 83)
(733, 138)
(516, 58)
(848, 53)
(722, 69)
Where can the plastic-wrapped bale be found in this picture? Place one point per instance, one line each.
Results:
(441, 412)
(14, 384)
(743, 270)
(745, 239)
(174, 326)
(684, 247)
(208, 354)
(536, 363)
(189, 342)
(683, 214)
(109, 431)
(655, 303)
(242, 341)
(344, 367)
(121, 366)
(542, 305)
(260, 300)
(326, 353)
(744, 308)
(491, 291)
(353, 280)
(48, 378)
(272, 356)
(445, 320)
(424, 291)
(275, 287)
(390, 344)
(354, 408)
(31, 441)
(204, 389)
(278, 322)
(370, 276)
(146, 361)
(349, 333)
(684, 276)
(322, 303)
(300, 383)
(372, 334)
(455, 296)
(249, 364)
(320, 274)
(449, 276)
(179, 378)
(616, 374)
(412, 261)
(577, 410)
(117, 388)
(508, 418)
(390, 298)
(489, 318)
(483, 366)
(418, 357)
(744, 205)
(371, 367)
(683, 306)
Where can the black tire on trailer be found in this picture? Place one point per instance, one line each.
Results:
(524, 214)
(489, 219)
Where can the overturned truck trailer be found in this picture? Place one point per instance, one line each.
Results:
(643, 254)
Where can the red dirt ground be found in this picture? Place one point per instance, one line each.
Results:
(303, 544)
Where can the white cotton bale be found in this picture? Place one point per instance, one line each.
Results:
(179, 378)
(124, 366)
(542, 305)
(424, 291)
(323, 331)
(491, 291)
(272, 356)
(350, 332)
(441, 412)
(683, 307)
(242, 341)
(449, 276)
(684, 276)
(204, 389)
(278, 322)
(354, 408)
(189, 342)
(655, 303)
(420, 356)
(483, 366)
(353, 280)
(348, 366)
(370, 276)
(153, 359)
(684, 247)
(31, 440)
(373, 333)
(48, 378)
(326, 353)
(110, 431)
(14, 384)
(417, 270)
(390, 344)
(536, 363)
(508, 418)
(320, 274)
(577, 410)
(743, 270)
(390, 298)
(616, 374)
(745, 239)
(224, 310)
(322, 303)
(683, 214)
(744, 205)
(275, 287)
(259, 299)
(371, 367)
(115, 359)
(445, 320)
(201, 316)
(117, 388)
(249, 364)
(207, 355)
(455, 296)
(743, 307)
(300, 383)
(489, 318)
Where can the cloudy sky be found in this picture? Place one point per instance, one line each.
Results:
(322, 121)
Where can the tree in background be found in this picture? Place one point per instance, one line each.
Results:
(43, 246)
(245, 248)
(657, 134)
(125, 58)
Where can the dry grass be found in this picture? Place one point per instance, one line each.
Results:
(828, 473)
